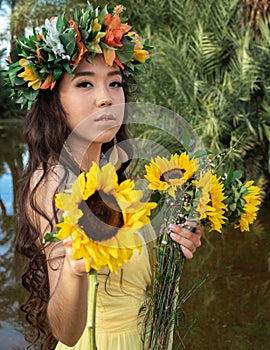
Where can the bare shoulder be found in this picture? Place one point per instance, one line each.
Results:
(53, 176)
(44, 186)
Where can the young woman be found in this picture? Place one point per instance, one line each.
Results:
(74, 77)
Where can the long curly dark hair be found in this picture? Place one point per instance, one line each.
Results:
(45, 131)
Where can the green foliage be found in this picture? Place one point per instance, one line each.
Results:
(50, 237)
(7, 106)
(209, 65)
(214, 72)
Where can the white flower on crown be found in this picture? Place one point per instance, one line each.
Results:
(52, 39)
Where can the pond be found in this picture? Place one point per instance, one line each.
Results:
(231, 310)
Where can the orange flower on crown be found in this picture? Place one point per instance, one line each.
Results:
(39, 37)
(48, 82)
(38, 52)
(114, 34)
(115, 30)
(79, 43)
(118, 9)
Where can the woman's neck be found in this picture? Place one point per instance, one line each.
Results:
(83, 154)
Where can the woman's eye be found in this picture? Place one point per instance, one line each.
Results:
(84, 84)
(116, 84)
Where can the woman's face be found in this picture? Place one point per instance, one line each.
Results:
(93, 100)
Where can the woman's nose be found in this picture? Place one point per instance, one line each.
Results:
(103, 101)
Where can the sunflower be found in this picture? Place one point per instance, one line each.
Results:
(168, 175)
(251, 206)
(102, 217)
(210, 203)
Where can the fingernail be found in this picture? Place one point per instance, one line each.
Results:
(182, 247)
(173, 235)
(172, 226)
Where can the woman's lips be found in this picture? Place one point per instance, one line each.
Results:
(105, 118)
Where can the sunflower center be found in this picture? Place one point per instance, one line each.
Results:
(102, 216)
(172, 174)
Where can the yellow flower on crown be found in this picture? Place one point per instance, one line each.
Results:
(168, 175)
(95, 47)
(250, 207)
(29, 75)
(103, 218)
(139, 53)
(96, 26)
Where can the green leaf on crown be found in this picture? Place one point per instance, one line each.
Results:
(60, 25)
(125, 52)
(18, 81)
(69, 41)
(103, 12)
(14, 55)
(57, 73)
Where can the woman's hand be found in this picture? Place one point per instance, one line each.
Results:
(67, 307)
(77, 266)
(188, 240)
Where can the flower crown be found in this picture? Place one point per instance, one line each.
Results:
(38, 61)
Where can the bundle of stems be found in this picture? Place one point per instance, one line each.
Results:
(165, 299)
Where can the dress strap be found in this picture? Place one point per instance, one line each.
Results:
(150, 237)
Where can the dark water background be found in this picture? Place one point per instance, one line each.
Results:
(231, 310)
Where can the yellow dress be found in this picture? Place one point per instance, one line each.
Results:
(119, 299)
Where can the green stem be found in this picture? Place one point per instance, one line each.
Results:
(170, 261)
(93, 285)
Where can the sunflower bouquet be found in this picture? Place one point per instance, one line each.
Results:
(188, 196)
(103, 218)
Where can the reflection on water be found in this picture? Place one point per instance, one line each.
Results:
(11, 325)
(6, 191)
(230, 311)
(11, 293)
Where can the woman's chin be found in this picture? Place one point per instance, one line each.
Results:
(88, 138)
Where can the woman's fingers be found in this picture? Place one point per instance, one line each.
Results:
(188, 240)
(76, 265)
(186, 252)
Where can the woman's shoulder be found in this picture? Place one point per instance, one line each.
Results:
(52, 173)
(46, 183)
(44, 186)
(55, 176)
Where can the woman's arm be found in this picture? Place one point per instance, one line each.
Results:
(67, 308)
(68, 281)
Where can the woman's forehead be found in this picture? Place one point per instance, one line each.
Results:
(96, 64)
